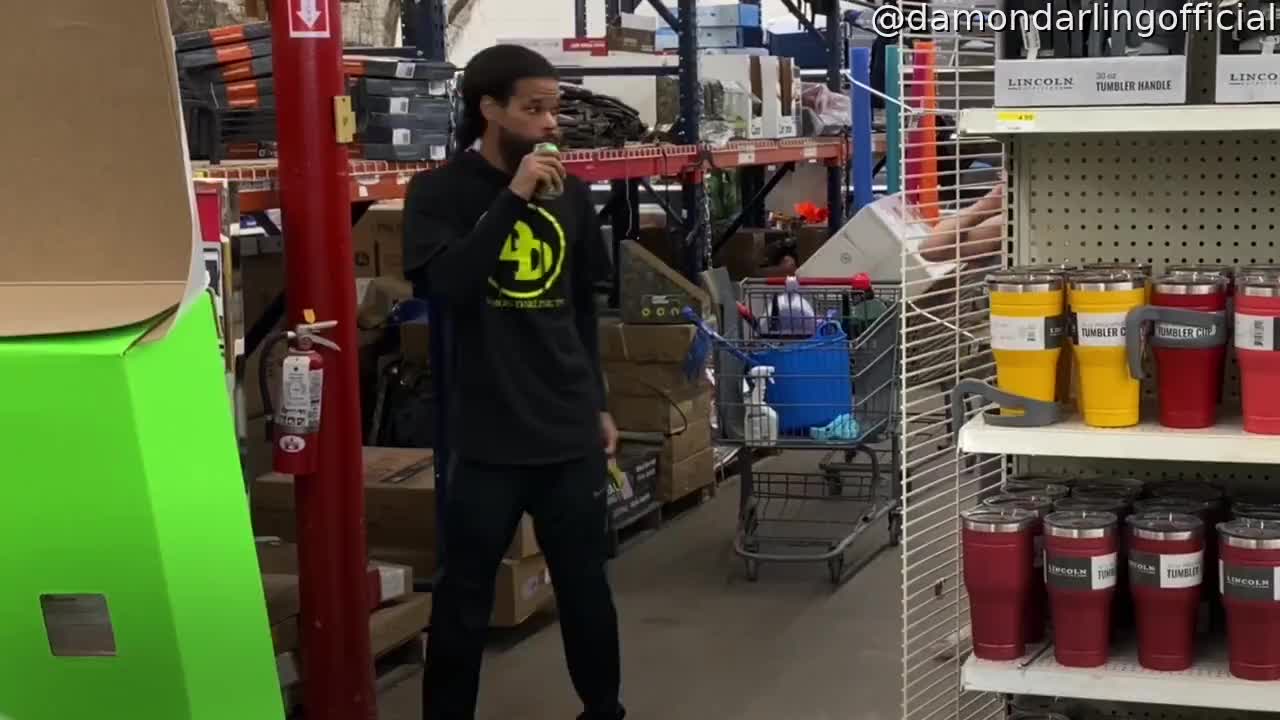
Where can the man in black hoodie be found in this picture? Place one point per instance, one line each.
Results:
(528, 427)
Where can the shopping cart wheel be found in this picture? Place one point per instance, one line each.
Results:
(753, 569)
(895, 528)
(835, 566)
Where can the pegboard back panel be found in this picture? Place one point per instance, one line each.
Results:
(1155, 198)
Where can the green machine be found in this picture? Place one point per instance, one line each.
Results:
(129, 583)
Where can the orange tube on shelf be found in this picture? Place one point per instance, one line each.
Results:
(928, 195)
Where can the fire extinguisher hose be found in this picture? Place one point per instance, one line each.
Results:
(264, 378)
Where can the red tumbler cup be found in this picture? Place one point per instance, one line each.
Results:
(998, 550)
(1080, 572)
(1257, 345)
(1132, 487)
(1189, 341)
(1052, 491)
(1199, 499)
(1166, 572)
(1249, 580)
(1037, 601)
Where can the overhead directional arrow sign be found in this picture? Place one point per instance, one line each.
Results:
(308, 18)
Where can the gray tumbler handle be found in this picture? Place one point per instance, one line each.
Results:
(1035, 413)
(1215, 323)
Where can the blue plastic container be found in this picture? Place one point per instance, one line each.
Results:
(812, 384)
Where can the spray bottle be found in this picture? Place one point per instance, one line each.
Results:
(761, 421)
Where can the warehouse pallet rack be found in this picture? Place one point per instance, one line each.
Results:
(1159, 185)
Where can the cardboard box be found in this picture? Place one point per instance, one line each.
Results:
(398, 623)
(281, 591)
(625, 39)
(279, 563)
(782, 107)
(658, 414)
(394, 580)
(422, 561)
(688, 476)
(525, 543)
(634, 380)
(145, 548)
(729, 15)
(1057, 82)
(636, 21)
(523, 588)
(681, 446)
(747, 72)
(381, 231)
(390, 627)
(1244, 77)
(656, 293)
(399, 500)
(623, 342)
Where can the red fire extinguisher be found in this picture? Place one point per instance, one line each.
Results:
(295, 424)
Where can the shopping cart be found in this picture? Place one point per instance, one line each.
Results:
(827, 352)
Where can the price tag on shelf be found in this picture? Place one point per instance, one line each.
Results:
(810, 151)
(1015, 121)
(747, 158)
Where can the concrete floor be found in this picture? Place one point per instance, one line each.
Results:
(700, 642)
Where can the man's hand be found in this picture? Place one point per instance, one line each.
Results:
(537, 169)
(608, 433)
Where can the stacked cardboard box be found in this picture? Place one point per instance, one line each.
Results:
(403, 110)
(735, 25)
(400, 518)
(524, 583)
(650, 393)
(397, 616)
(228, 94)
(633, 33)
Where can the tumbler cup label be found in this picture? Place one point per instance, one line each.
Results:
(1172, 334)
(1027, 333)
(1080, 573)
(1178, 570)
(1256, 332)
(1244, 582)
(1098, 329)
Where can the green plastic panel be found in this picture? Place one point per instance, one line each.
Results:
(121, 485)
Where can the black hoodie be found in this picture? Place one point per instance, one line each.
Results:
(525, 382)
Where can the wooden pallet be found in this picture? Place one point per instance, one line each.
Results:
(681, 505)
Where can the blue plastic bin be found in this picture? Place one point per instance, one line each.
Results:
(812, 384)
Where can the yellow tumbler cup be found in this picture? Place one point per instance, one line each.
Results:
(1099, 303)
(1028, 327)
(1066, 372)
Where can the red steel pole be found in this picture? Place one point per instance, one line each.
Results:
(315, 199)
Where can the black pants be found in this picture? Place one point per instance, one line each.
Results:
(485, 504)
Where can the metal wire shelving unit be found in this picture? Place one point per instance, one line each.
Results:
(1156, 185)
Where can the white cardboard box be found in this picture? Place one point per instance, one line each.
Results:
(754, 73)
(1246, 78)
(782, 107)
(1058, 82)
